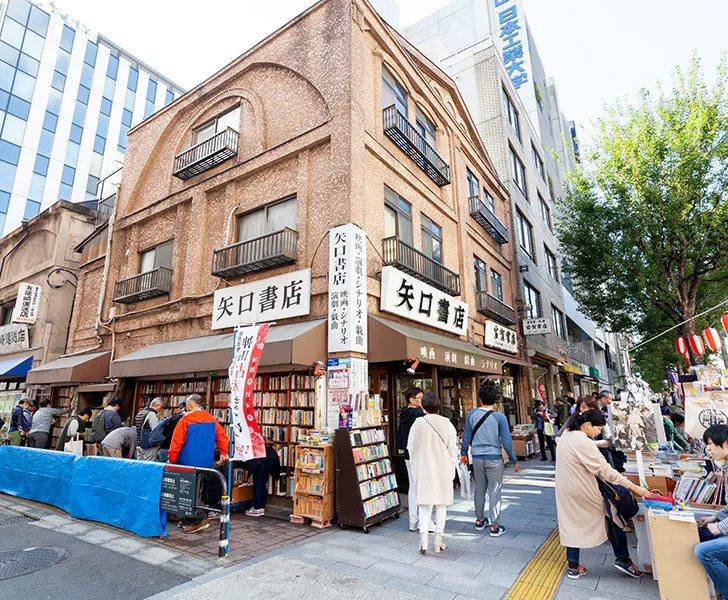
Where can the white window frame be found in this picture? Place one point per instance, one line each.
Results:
(511, 114)
(551, 263)
(525, 234)
(518, 171)
(532, 297)
(557, 317)
(207, 130)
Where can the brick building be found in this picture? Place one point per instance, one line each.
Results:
(229, 193)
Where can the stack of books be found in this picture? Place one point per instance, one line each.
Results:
(701, 490)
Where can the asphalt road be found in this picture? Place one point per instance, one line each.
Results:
(87, 573)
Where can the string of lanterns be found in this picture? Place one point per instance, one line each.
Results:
(695, 341)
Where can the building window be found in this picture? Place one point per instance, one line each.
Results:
(168, 97)
(525, 234)
(160, 256)
(532, 299)
(67, 38)
(133, 79)
(425, 128)
(397, 217)
(481, 275)
(558, 318)
(551, 262)
(431, 239)
(489, 200)
(6, 313)
(545, 212)
(393, 93)
(496, 285)
(268, 219)
(473, 185)
(511, 114)
(538, 162)
(518, 172)
(229, 119)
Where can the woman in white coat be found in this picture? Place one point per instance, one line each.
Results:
(432, 446)
(579, 503)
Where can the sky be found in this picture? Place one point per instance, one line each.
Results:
(597, 50)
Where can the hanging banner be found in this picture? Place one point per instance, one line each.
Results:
(26, 304)
(249, 344)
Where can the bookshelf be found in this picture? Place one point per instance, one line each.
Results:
(64, 398)
(313, 496)
(366, 486)
(172, 392)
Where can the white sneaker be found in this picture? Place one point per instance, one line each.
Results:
(255, 512)
(413, 527)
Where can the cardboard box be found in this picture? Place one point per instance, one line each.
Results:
(664, 485)
(241, 493)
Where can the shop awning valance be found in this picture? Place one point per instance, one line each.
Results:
(81, 368)
(510, 358)
(569, 369)
(390, 341)
(289, 346)
(15, 367)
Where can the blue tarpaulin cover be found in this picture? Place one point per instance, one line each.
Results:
(122, 493)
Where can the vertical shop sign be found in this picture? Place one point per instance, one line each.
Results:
(347, 289)
(26, 305)
(511, 44)
(249, 344)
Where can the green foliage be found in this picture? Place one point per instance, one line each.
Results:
(644, 225)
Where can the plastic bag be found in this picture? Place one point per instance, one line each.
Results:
(464, 477)
(75, 446)
(548, 429)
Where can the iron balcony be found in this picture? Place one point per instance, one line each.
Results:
(257, 254)
(406, 258)
(486, 218)
(398, 129)
(581, 356)
(494, 309)
(149, 284)
(206, 155)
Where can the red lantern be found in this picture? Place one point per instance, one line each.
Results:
(681, 346)
(712, 338)
(696, 344)
(724, 320)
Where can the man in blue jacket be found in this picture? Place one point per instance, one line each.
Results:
(20, 423)
(486, 432)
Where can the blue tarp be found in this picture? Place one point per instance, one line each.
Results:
(122, 493)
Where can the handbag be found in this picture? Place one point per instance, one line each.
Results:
(548, 429)
(74, 446)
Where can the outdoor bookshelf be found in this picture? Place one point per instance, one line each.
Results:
(313, 496)
(63, 398)
(171, 392)
(366, 487)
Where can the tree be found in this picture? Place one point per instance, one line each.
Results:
(644, 228)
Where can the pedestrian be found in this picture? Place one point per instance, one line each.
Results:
(407, 417)
(19, 423)
(40, 429)
(193, 444)
(262, 469)
(541, 418)
(487, 435)
(168, 426)
(432, 445)
(712, 551)
(580, 505)
(112, 419)
(120, 443)
(571, 401)
(145, 421)
(562, 412)
(75, 426)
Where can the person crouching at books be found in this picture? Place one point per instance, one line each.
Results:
(262, 469)
(712, 551)
(432, 446)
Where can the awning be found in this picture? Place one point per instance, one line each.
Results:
(81, 368)
(15, 367)
(96, 387)
(569, 369)
(295, 345)
(390, 341)
(511, 359)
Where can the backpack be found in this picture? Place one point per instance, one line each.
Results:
(146, 432)
(97, 433)
(620, 504)
(156, 436)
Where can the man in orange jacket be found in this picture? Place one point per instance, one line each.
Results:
(193, 445)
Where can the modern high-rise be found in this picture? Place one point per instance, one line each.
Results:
(67, 98)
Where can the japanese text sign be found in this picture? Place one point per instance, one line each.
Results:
(498, 336)
(536, 326)
(26, 305)
(248, 348)
(348, 330)
(413, 299)
(14, 338)
(512, 37)
(269, 299)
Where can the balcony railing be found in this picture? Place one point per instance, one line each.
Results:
(580, 356)
(413, 144)
(403, 256)
(205, 155)
(494, 309)
(104, 210)
(486, 218)
(257, 254)
(149, 284)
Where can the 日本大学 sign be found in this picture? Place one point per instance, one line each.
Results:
(413, 299)
(347, 289)
(265, 300)
(26, 305)
(14, 338)
(498, 336)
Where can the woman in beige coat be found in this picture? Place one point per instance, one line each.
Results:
(580, 506)
(432, 446)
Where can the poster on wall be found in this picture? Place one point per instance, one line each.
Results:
(248, 348)
(338, 377)
(26, 304)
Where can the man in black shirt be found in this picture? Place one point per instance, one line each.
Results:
(407, 417)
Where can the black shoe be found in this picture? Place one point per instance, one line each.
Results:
(628, 568)
(480, 525)
(544, 459)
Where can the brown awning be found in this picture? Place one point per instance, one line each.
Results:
(96, 387)
(511, 359)
(390, 340)
(288, 346)
(81, 368)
